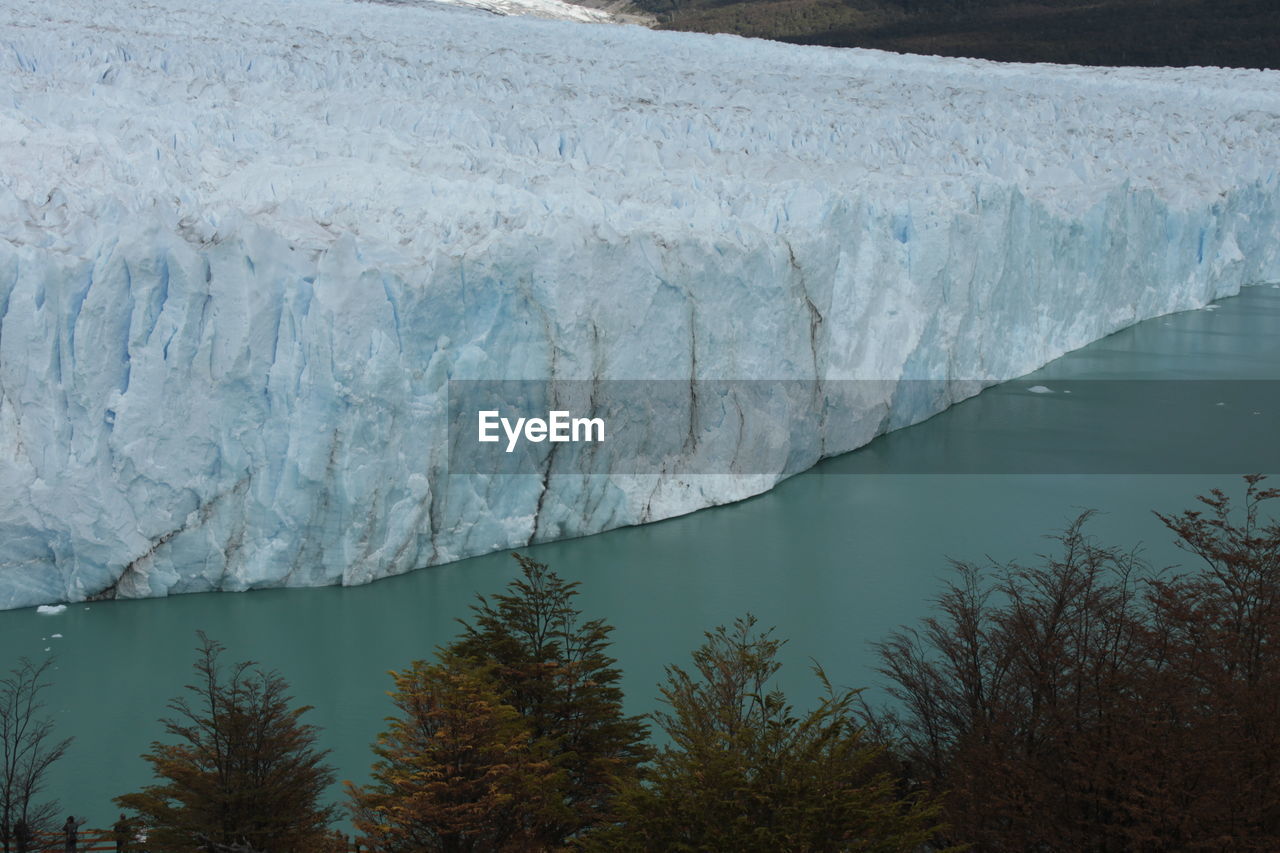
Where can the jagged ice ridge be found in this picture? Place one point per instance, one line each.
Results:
(244, 245)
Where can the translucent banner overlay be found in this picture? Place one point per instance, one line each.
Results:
(773, 427)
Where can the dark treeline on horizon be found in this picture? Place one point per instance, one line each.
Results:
(1229, 33)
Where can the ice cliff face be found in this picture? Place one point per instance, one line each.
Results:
(244, 245)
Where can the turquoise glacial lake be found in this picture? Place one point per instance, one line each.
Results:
(835, 558)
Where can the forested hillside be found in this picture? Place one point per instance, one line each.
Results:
(1234, 33)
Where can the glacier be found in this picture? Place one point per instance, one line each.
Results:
(555, 10)
(245, 246)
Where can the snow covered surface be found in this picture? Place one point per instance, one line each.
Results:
(244, 245)
(556, 10)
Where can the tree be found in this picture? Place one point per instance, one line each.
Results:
(1011, 708)
(745, 773)
(244, 772)
(1090, 704)
(552, 667)
(458, 769)
(28, 749)
(1215, 678)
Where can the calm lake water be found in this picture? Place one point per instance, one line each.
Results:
(836, 558)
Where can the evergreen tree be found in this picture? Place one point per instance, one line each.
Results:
(458, 769)
(552, 667)
(745, 773)
(244, 772)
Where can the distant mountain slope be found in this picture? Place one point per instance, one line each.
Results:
(1233, 33)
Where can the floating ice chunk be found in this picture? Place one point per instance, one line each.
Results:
(51, 609)
(56, 636)
(1040, 389)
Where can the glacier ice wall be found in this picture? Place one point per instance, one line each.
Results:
(245, 245)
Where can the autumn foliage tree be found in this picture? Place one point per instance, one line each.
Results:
(243, 772)
(515, 739)
(459, 769)
(745, 772)
(552, 666)
(1089, 704)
